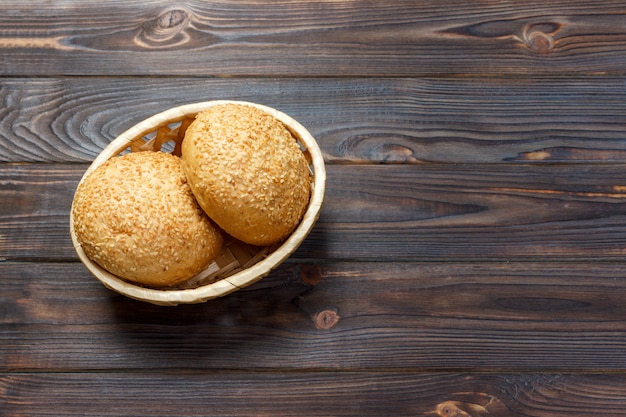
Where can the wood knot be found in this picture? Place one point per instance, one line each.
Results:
(171, 19)
(539, 37)
(540, 42)
(326, 319)
(167, 29)
(393, 153)
(310, 274)
(450, 409)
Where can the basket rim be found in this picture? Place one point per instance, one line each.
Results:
(242, 278)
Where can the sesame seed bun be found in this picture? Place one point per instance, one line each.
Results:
(247, 172)
(136, 217)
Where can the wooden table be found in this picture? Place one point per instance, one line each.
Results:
(469, 257)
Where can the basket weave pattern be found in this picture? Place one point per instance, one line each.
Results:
(238, 264)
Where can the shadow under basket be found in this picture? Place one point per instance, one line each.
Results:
(238, 264)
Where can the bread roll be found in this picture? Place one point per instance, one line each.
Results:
(247, 172)
(136, 217)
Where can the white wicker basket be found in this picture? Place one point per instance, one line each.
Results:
(238, 264)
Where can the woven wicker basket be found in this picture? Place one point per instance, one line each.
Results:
(238, 264)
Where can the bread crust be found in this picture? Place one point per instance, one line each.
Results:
(247, 172)
(136, 217)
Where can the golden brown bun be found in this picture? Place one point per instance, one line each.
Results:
(136, 217)
(247, 172)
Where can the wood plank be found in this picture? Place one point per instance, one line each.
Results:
(386, 212)
(313, 394)
(35, 202)
(295, 38)
(461, 212)
(544, 317)
(577, 120)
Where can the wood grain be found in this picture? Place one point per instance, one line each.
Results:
(468, 261)
(295, 38)
(559, 317)
(313, 394)
(386, 212)
(409, 121)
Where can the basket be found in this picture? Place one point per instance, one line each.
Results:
(239, 264)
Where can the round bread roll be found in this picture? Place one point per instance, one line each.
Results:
(136, 217)
(247, 172)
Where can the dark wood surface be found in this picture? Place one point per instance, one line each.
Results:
(469, 257)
